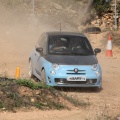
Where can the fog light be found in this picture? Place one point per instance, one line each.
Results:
(52, 72)
(97, 73)
(90, 81)
(61, 80)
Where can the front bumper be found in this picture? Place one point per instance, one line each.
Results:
(64, 83)
(60, 78)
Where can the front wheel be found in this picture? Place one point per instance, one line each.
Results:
(43, 77)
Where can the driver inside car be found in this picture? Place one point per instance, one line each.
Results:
(60, 44)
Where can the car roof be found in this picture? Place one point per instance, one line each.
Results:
(64, 33)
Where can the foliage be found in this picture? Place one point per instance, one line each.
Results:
(32, 85)
(118, 7)
(101, 6)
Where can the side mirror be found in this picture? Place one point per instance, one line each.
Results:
(40, 50)
(97, 50)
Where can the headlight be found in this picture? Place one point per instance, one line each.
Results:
(94, 67)
(55, 66)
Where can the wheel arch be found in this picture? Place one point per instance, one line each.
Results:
(29, 59)
(43, 68)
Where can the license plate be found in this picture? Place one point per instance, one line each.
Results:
(76, 78)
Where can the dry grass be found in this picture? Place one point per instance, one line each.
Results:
(16, 94)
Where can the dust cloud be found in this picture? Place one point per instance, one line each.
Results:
(19, 32)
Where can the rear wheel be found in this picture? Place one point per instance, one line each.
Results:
(43, 77)
(30, 70)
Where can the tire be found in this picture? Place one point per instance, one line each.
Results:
(43, 77)
(30, 70)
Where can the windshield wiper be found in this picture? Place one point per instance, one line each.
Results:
(59, 53)
(77, 54)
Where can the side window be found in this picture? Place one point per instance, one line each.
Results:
(42, 42)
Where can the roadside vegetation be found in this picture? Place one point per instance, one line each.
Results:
(23, 93)
(101, 6)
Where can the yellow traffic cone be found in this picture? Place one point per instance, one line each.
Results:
(17, 74)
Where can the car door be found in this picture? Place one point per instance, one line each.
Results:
(42, 43)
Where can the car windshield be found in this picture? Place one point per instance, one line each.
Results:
(69, 45)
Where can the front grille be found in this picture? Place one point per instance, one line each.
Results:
(72, 72)
(64, 81)
(76, 73)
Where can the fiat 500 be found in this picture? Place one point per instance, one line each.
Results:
(65, 59)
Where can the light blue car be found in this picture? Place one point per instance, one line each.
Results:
(65, 59)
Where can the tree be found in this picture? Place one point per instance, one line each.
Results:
(101, 6)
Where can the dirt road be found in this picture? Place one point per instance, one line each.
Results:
(104, 103)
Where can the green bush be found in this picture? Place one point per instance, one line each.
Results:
(32, 85)
(1, 105)
(101, 6)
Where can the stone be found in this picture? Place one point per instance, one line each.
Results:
(32, 100)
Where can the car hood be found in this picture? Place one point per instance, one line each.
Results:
(72, 60)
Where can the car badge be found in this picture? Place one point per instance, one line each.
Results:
(76, 70)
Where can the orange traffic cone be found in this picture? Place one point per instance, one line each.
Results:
(109, 47)
(17, 74)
